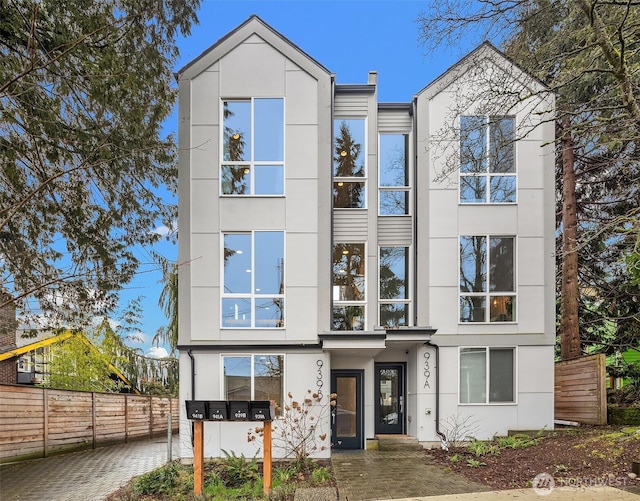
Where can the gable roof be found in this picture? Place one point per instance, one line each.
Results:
(253, 25)
(485, 51)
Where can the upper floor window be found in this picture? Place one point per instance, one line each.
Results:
(349, 164)
(487, 279)
(487, 159)
(253, 277)
(348, 287)
(254, 377)
(393, 175)
(252, 147)
(394, 286)
(487, 375)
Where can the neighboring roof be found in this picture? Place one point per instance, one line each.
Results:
(7, 355)
(253, 25)
(485, 50)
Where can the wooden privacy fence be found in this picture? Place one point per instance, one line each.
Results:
(580, 390)
(36, 422)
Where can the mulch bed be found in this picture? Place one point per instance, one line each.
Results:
(581, 457)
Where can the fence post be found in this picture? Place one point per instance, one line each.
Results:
(93, 417)
(45, 426)
(169, 436)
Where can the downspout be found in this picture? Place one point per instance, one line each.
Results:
(442, 436)
(193, 389)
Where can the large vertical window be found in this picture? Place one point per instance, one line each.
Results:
(348, 287)
(394, 286)
(487, 279)
(487, 160)
(254, 377)
(487, 375)
(393, 175)
(253, 277)
(252, 147)
(349, 164)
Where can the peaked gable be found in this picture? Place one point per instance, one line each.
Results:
(254, 26)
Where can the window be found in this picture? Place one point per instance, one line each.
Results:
(349, 164)
(393, 172)
(487, 160)
(487, 279)
(394, 286)
(254, 377)
(485, 381)
(252, 147)
(253, 276)
(348, 287)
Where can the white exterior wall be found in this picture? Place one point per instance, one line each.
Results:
(232, 435)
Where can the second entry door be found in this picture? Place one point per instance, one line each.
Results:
(390, 398)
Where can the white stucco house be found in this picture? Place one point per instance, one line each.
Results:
(400, 255)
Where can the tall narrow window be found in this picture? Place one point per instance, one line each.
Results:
(487, 160)
(485, 381)
(348, 287)
(252, 147)
(254, 377)
(349, 164)
(253, 295)
(393, 172)
(487, 279)
(394, 286)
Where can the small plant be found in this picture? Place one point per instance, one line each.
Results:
(519, 441)
(236, 471)
(160, 481)
(298, 432)
(320, 476)
(561, 469)
(474, 463)
(283, 474)
(458, 429)
(455, 458)
(481, 448)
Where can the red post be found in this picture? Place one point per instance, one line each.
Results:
(198, 456)
(266, 466)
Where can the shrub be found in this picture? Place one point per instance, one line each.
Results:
(236, 471)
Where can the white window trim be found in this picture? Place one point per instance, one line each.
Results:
(251, 295)
(409, 284)
(487, 174)
(515, 377)
(252, 163)
(488, 294)
(353, 179)
(253, 355)
(407, 187)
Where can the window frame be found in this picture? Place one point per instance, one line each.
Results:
(252, 164)
(223, 393)
(406, 188)
(356, 303)
(488, 294)
(487, 174)
(252, 296)
(514, 376)
(341, 181)
(407, 285)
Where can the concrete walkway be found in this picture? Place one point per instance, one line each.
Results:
(89, 475)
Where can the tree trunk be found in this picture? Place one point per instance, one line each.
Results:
(569, 328)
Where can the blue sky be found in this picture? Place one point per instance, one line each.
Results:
(349, 38)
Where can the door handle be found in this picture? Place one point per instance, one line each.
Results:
(402, 404)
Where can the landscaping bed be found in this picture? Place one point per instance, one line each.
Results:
(582, 456)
